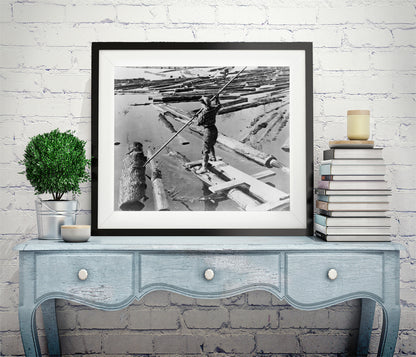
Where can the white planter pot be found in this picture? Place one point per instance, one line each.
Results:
(51, 215)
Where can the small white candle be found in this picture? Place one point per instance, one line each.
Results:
(358, 124)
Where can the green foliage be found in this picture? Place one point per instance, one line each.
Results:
(56, 163)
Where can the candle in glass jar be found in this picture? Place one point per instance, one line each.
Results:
(358, 124)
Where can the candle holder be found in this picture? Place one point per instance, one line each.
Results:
(358, 124)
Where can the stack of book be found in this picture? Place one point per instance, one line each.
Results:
(353, 196)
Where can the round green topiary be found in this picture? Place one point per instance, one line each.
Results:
(56, 163)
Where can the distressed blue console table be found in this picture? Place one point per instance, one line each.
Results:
(108, 273)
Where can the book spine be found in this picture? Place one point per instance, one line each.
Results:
(355, 206)
(320, 235)
(322, 205)
(352, 230)
(352, 221)
(352, 177)
(329, 154)
(330, 169)
(366, 154)
(324, 184)
(354, 162)
(354, 198)
(320, 228)
(325, 170)
(322, 191)
(319, 219)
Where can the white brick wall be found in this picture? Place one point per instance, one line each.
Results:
(364, 57)
(28, 13)
(141, 14)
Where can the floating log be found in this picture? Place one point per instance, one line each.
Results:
(216, 69)
(285, 147)
(275, 89)
(277, 119)
(170, 70)
(183, 90)
(129, 83)
(200, 93)
(133, 180)
(189, 97)
(253, 104)
(240, 148)
(139, 104)
(178, 98)
(234, 102)
(257, 123)
(163, 84)
(159, 194)
(185, 83)
(172, 129)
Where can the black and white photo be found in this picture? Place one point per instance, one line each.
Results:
(233, 155)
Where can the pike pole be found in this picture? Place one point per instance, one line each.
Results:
(190, 121)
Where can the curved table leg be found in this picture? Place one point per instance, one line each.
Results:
(391, 322)
(51, 327)
(368, 307)
(28, 331)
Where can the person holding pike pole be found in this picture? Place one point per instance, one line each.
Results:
(206, 116)
(207, 119)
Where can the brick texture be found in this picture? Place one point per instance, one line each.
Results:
(364, 58)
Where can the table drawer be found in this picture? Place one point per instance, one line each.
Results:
(210, 275)
(314, 278)
(107, 277)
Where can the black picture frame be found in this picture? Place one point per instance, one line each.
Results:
(304, 49)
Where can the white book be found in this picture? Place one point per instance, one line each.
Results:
(361, 198)
(354, 213)
(352, 230)
(322, 191)
(352, 178)
(352, 206)
(331, 169)
(356, 162)
(352, 221)
(353, 185)
(339, 153)
(353, 238)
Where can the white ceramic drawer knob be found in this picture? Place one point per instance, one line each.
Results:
(83, 274)
(332, 274)
(209, 274)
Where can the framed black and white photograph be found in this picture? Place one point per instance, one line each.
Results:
(202, 138)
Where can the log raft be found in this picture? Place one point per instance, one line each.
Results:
(247, 191)
(271, 197)
(242, 199)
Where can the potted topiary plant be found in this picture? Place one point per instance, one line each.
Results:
(56, 163)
